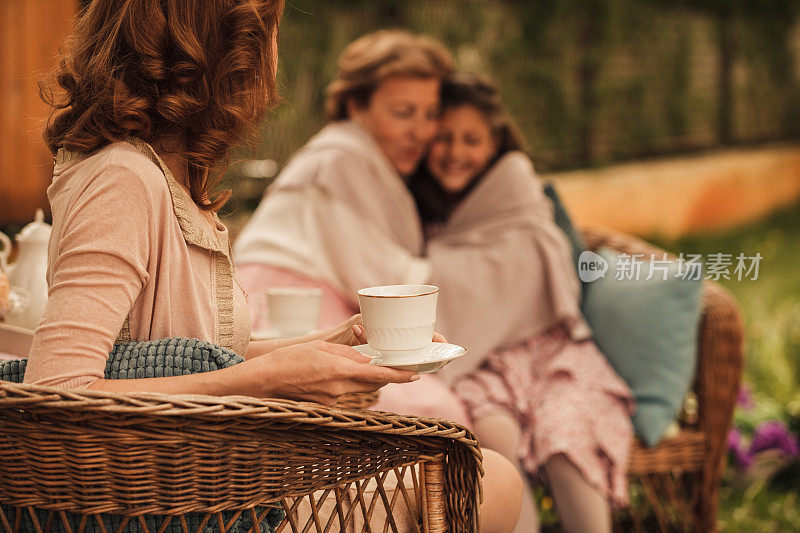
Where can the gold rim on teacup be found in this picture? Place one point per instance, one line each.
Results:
(428, 289)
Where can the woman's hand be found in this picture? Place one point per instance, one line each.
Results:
(314, 370)
(322, 372)
(351, 333)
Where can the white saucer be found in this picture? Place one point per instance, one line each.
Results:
(428, 359)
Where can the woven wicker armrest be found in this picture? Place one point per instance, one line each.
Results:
(91, 452)
(719, 376)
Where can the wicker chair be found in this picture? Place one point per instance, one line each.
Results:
(89, 453)
(208, 460)
(675, 485)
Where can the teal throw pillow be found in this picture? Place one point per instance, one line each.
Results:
(648, 331)
(564, 223)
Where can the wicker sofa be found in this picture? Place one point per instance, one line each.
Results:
(91, 453)
(675, 485)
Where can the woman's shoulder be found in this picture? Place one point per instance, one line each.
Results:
(339, 145)
(117, 170)
(327, 166)
(512, 172)
(336, 144)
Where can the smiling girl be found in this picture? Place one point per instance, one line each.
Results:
(550, 402)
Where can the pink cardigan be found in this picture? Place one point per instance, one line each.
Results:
(131, 257)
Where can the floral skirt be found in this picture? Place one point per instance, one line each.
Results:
(567, 399)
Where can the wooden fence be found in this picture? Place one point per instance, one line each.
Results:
(30, 32)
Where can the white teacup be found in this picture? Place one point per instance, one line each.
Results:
(293, 311)
(398, 319)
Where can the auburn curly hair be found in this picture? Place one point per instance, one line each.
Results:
(201, 71)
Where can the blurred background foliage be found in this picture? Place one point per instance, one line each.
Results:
(590, 81)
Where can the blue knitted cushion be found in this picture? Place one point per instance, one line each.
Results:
(112, 522)
(149, 359)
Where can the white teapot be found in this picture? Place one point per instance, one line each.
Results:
(29, 271)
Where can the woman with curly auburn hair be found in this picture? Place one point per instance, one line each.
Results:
(183, 80)
(149, 98)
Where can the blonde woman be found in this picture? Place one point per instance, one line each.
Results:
(339, 217)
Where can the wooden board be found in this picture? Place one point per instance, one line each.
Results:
(30, 34)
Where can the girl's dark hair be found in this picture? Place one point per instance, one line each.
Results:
(196, 70)
(434, 203)
(461, 89)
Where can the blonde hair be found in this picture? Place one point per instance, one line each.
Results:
(371, 59)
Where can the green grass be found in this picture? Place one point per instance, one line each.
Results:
(771, 309)
(758, 508)
(770, 304)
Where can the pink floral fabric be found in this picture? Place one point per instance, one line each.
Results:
(567, 399)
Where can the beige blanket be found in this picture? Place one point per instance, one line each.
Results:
(340, 212)
(503, 267)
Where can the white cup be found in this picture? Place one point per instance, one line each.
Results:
(398, 319)
(293, 311)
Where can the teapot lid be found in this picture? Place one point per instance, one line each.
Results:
(37, 231)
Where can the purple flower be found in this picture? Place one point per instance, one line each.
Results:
(743, 458)
(745, 399)
(774, 435)
(734, 438)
